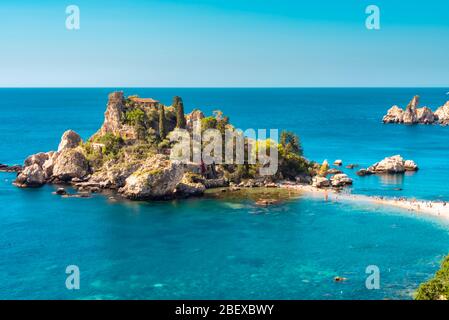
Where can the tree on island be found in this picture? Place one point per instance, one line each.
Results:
(162, 131)
(291, 143)
(180, 117)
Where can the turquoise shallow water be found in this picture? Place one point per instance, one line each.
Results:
(204, 248)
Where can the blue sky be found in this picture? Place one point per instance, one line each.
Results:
(232, 43)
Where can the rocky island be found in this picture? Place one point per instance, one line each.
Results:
(390, 165)
(414, 115)
(130, 155)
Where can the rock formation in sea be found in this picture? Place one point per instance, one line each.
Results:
(414, 115)
(130, 154)
(391, 165)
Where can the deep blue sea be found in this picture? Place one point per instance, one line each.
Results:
(227, 249)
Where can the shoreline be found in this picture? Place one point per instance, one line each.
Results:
(433, 208)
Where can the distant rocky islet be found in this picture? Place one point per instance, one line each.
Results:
(415, 115)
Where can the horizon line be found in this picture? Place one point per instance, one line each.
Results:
(228, 87)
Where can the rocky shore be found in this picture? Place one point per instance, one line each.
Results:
(414, 115)
(14, 168)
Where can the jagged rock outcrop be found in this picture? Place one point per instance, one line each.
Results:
(340, 180)
(442, 114)
(114, 114)
(413, 114)
(69, 140)
(394, 115)
(394, 164)
(425, 115)
(410, 116)
(156, 179)
(114, 118)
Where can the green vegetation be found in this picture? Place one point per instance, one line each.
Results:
(139, 151)
(208, 123)
(112, 144)
(162, 129)
(108, 147)
(291, 160)
(94, 156)
(436, 288)
(135, 116)
(290, 143)
(180, 117)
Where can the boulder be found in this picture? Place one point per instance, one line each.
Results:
(156, 179)
(410, 165)
(394, 115)
(334, 171)
(187, 187)
(394, 164)
(69, 140)
(38, 158)
(31, 176)
(69, 164)
(320, 182)
(338, 162)
(49, 164)
(340, 180)
(364, 172)
(61, 191)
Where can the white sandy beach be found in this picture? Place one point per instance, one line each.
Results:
(434, 208)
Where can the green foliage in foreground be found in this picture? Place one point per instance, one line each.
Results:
(436, 288)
